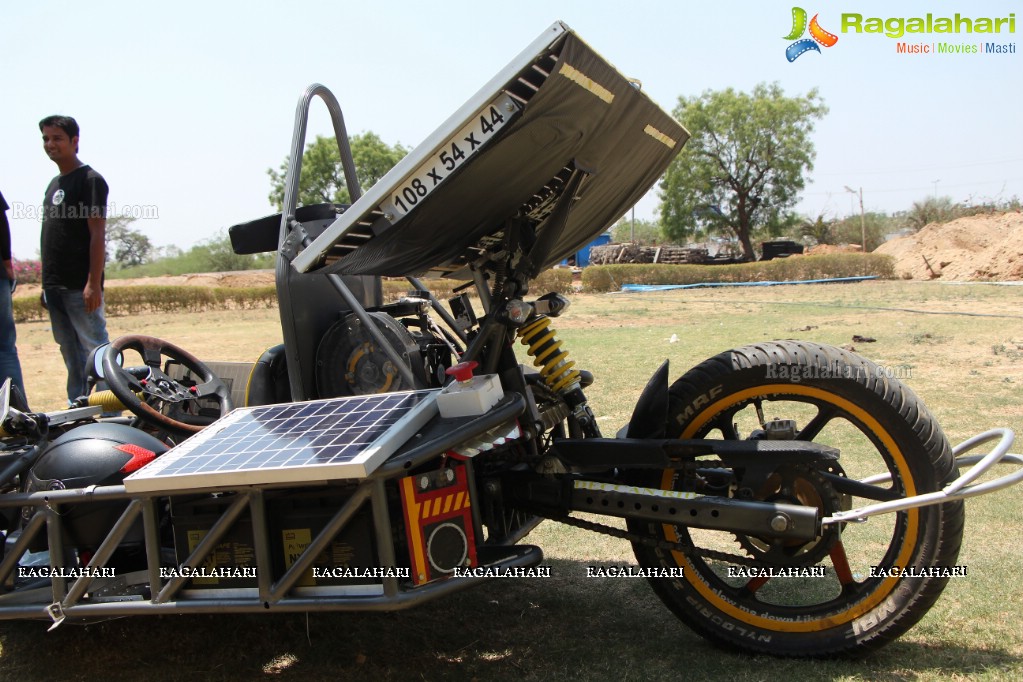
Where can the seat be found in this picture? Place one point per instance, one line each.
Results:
(309, 304)
(268, 381)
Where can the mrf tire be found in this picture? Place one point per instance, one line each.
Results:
(925, 460)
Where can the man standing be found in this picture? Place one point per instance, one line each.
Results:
(73, 251)
(9, 364)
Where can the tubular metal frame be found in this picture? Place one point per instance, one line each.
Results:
(290, 231)
(70, 597)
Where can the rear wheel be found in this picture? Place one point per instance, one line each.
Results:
(849, 590)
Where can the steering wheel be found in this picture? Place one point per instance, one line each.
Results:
(155, 386)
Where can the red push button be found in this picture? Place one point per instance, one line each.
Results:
(462, 372)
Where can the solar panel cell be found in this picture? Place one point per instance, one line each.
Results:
(296, 442)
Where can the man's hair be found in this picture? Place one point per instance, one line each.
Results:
(65, 123)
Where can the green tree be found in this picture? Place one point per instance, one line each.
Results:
(645, 232)
(216, 255)
(168, 251)
(130, 246)
(876, 225)
(931, 210)
(323, 178)
(819, 229)
(744, 165)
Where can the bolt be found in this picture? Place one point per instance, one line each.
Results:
(780, 523)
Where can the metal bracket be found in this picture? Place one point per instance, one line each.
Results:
(959, 489)
(296, 239)
(73, 414)
(56, 613)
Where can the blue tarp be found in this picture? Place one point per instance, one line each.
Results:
(707, 285)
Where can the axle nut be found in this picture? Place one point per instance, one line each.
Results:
(780, 523)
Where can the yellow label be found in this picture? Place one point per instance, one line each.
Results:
(587, 83)
(194, 538)
(226, 555)
(659, 136)
(295, 542)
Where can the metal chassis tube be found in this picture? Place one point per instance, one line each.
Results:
(959, 489)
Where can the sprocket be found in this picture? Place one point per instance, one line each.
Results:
(802, 485)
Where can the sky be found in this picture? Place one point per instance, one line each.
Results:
(184, 106)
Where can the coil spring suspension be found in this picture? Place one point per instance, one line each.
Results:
(541, 344)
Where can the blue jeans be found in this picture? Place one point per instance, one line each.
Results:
(10, 366)
(77, 332)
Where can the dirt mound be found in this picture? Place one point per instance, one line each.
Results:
(242, 278)
(821, 249)
(988, 247)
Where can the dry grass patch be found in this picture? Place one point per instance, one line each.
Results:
(577, 628)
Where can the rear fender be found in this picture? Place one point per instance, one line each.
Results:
(650, 416)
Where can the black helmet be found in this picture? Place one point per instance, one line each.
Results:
(92, 454)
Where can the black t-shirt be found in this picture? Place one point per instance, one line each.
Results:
(5, 234)
(69, 202)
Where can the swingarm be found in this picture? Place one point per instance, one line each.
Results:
(745, 469)
(558, 497)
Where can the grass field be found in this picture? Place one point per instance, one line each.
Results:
(960, 347)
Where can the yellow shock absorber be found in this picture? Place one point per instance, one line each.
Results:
(541, 344)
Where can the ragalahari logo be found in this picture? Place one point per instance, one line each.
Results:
(817, 35)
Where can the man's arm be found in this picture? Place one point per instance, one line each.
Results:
(5, 242)
(93, 293)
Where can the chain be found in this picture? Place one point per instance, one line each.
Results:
(684, 547)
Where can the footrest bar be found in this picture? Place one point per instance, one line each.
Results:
(959, 489)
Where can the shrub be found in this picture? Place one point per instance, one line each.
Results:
(133, 300)
(121, 301)
(27, 309)
(28, 271)
(396, 287)
(557, 280)
(942, 210)
(612, 277)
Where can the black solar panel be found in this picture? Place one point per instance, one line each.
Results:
(293, 442)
